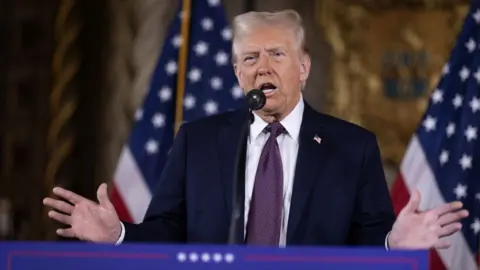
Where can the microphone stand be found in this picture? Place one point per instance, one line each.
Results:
(255, 100)
(236, 195)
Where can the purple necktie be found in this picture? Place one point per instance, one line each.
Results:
(263, 227)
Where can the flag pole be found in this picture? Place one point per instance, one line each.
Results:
(182, 62)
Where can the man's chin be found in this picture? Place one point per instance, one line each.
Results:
(272, 104)
(268, 109)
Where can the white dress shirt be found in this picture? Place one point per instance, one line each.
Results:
(288, 144)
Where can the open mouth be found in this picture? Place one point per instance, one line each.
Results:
(268, 88)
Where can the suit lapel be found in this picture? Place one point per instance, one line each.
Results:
(228, 138)
(312, 156)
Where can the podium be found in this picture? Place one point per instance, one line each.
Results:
(89, 256)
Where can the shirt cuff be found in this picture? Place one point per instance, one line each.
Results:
(122, 235)
(386, 241)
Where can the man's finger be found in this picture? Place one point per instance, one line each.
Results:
(447, 207)
(102, 196)
(60, 217)
(450, 229)
(452, 217)
(66, 232)
(68, 195)
(442, 244)
(413, 203)
(59, 205)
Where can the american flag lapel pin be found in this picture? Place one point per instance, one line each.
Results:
(317, 139)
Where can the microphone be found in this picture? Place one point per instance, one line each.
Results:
(255, 100)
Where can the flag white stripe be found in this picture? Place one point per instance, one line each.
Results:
(131, 186)
(417, 174)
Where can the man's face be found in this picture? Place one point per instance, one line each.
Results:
(269, 59)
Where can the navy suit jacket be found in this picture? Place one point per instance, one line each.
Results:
(340, 196)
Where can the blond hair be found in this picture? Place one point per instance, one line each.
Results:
(244, 23)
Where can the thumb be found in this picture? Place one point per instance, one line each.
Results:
(413, 203)
(102, 196)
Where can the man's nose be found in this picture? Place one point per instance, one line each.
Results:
(264, 66)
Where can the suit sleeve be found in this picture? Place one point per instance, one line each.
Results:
(374, 216)
(165, 219)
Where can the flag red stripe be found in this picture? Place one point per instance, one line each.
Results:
(120, 207)
(400, 196)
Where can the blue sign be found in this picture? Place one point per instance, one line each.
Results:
(404, 74)
(81, 256)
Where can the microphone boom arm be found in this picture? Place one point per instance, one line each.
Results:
(255, 101)
(236, 203)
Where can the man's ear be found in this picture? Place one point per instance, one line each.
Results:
(235, 68)
(238, 73)
(305, 67)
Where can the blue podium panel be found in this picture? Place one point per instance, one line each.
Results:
(81, 256)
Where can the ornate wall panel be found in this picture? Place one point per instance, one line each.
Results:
(387, 57)
(26, 44)
(52, 93)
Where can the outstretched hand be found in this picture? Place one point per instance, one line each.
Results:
(424, 230)
(88, 220)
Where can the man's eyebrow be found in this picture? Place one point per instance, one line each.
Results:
(256, 51)
(251, 51)
(276, 48)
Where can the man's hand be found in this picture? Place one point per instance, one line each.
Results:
(425, 230)
(88, 220)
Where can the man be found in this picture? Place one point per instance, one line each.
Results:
(310, 179)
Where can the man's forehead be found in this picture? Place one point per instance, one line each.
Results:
(263, 43)
(262, 46)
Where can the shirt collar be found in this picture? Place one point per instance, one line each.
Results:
(291, 123)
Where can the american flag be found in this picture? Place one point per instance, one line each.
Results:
(442, 159)
(210, 87)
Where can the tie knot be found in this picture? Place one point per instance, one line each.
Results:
(275, 129)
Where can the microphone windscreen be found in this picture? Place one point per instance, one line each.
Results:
(256, 99)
